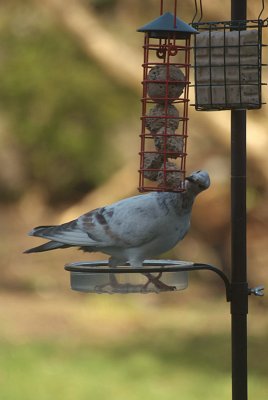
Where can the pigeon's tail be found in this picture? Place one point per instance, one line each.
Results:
(52, 230)
(46, 247)
(68, 233)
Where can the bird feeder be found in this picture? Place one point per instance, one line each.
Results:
(165, 100)
(156, 276)
(228, 65)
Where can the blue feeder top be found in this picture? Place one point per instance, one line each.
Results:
(162, 26)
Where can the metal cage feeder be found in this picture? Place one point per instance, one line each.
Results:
(228, 65)
(165, 101)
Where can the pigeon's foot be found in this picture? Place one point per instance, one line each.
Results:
(159, 285)
(113, 286)
(108, 287)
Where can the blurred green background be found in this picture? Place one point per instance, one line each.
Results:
(69, 141)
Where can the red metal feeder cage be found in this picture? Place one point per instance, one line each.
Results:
(165, 102)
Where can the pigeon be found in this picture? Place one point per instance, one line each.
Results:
(130, 230)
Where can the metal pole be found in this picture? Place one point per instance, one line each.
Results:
(239, 285)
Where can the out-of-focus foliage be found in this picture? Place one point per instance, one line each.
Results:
(102, 5)
(59, 106)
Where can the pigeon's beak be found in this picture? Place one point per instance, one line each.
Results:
(190, 178)
(193, 179)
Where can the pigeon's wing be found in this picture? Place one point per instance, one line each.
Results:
(129, 223)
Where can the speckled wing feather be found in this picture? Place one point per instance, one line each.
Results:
(127, 223)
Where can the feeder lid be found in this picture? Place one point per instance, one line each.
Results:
(166, 23)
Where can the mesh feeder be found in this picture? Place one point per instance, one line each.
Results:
(228, 65)
(165, 101)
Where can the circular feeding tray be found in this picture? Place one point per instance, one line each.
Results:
(155, 276)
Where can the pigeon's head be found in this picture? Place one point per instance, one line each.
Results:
(198, 181)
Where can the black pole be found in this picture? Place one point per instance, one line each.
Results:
(239, 285)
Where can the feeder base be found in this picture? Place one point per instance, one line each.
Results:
(154, 277)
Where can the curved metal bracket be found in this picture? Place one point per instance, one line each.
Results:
(220, 273)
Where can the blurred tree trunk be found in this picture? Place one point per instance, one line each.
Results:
(116, 58)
